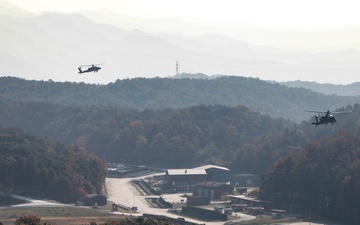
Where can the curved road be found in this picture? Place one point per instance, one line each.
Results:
(122, 192)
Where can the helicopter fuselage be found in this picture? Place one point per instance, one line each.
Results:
(328, 118)
(93, 68)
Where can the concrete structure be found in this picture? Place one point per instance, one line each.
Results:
(213, 190)
(95, 200)
(197, 200)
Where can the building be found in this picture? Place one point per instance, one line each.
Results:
(245, 180)
(213, 190)
(95, 200)
(217, 173)
(197, 200)
(248, 201)
(185, 179)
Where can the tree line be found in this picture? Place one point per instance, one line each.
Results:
(166, 93)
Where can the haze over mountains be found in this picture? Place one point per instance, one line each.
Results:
(53, 45)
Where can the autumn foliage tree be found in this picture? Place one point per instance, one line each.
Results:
(324, 176)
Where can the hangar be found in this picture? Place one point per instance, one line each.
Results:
(217, 173)
(185, 178)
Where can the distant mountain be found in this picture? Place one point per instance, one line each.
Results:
(9, 9)
(52, 46)
(328, 89)
(315, 39)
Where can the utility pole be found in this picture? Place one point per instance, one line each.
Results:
(177, 68)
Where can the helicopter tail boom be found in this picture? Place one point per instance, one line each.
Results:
(317, 121)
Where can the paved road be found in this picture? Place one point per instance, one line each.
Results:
(34, 202)
(122, 192)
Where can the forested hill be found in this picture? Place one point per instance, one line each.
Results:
(173, 138)
(162, 93)
(324, 177)
(42, 167)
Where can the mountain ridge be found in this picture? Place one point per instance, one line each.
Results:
(9, 9)
(328, 89)
(55, 44)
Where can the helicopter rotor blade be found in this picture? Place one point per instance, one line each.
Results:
(92, 64)
(338, 112)
(314, 111)
(341, 112)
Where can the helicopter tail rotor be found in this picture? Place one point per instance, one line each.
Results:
(80, 71)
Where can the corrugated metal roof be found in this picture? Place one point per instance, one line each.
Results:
(186, 171)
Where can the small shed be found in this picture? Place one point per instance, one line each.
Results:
(95, 199)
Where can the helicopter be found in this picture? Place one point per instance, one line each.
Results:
(326, 118)
(92, 68)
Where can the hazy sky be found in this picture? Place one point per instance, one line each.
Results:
(301, 19)
(280, 13)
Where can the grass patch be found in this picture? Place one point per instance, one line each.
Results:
(267, 219)
(14, 212)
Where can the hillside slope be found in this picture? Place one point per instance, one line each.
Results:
(42, 167)
(162, 138)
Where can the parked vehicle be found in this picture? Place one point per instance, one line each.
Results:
(218, 208)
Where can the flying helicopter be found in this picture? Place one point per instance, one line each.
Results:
(92, 68)
(326, 118)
